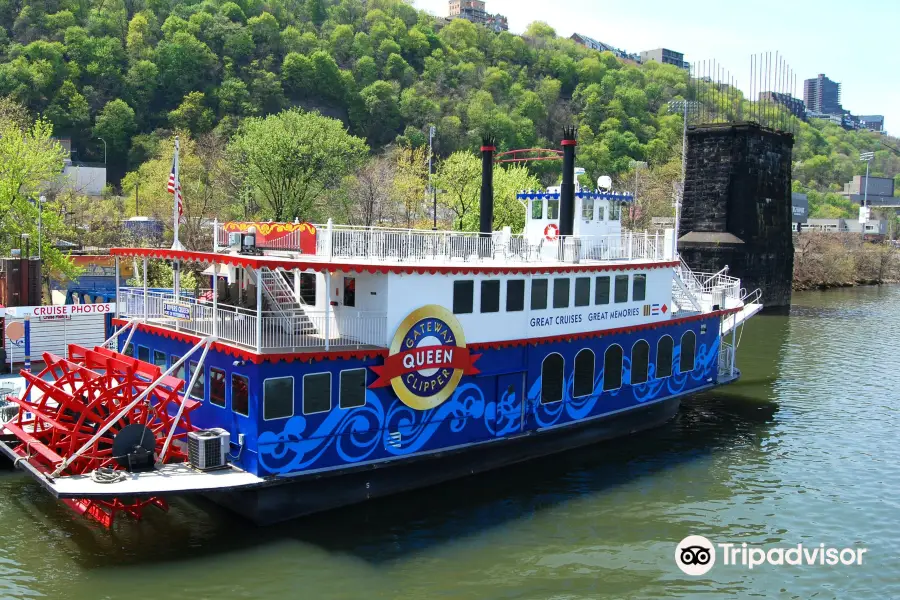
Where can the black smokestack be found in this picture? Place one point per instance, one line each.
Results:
(567, 189)
(488, 146)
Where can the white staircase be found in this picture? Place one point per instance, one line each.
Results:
(280, 298)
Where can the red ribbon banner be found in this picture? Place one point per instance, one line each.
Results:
(420, 359)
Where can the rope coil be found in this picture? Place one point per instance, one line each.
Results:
(107, 475)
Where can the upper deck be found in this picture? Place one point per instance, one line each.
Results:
(303, 288)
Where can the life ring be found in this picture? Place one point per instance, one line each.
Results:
(551, 232)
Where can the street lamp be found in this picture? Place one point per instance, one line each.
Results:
(41, 201)
(865, 157)
(104, 149)
(431, 132)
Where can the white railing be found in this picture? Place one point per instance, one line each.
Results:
(306, 330)
(416, 245)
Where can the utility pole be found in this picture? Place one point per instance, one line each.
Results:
(41, 201)
(104, 149)
(864, 209)
(431, 132)
(137, 210)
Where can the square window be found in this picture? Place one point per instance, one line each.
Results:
(353, 388)
(129, 351)
(240, 394)
(515, 295)
(621, 288)
(144, 354)
(538, 294)
(639, 288)
(583, 291)
(463, 293)
(552, 209)
(217, 387)
(159, 359)
(537, 209)
(587, 209)
(316, 393)
(198, 390)
(278, 398)
(180, 371)
(490, 296)
(561, 293)
(601, 293)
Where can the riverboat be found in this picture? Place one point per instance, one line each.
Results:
(330, 364)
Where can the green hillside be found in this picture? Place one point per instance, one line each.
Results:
(134, 71)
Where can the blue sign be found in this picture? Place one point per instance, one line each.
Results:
(174, 310)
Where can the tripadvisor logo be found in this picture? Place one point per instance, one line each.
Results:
(695, 555)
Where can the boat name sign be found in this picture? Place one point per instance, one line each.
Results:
(427, 358)
(176, 310)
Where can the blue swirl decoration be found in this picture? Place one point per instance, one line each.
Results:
(505, 416)
(365, 432)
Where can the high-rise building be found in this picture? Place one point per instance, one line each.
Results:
(822, 95)
(664, 55)
(476, 12)
(795, 105)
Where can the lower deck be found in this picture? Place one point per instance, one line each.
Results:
(320, 412)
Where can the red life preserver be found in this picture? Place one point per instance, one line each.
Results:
(551, 232)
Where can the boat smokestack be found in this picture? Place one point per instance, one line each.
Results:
(488, 146)
(567, 189)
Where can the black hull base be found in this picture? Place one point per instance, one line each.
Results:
(313, 493)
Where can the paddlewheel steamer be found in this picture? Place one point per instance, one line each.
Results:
(329, 364)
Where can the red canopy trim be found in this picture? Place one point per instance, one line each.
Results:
(255, 262)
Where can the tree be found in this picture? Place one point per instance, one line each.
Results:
(192, 114)
(116, 124)
(410, 181)
(368, 193)
(291, 158)
(459, 176)
(185, 64)
(29, 159)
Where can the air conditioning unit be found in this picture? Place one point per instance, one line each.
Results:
(208, 448)
(234, 240)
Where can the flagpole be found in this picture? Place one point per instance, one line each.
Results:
(176, 243)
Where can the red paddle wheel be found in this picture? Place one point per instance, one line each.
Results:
(100, 413)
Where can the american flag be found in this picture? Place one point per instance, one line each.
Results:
(174, 187)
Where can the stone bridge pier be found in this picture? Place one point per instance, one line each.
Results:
(737, 207)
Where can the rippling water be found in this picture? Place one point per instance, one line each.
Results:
(803, 450)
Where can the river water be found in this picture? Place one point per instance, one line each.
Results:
(803, 450)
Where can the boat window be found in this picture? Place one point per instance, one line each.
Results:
(552, 209)
(180, 371)
(561, 292)
(240, 394)
(129, 351)
(640, 362)
(621, 288)
(538, 294)
(587, 209)
(602, 213)
(490, 296)
(217, 387)
(688, 351)
(601, 292)
(665, 347)
(353, 388)
(198, 390)
(583, 291)
(316, 393)
(159, 359)
(350, 291)
(584, 374)
(308, 288)
(537, 209)
(639, 288)
(463, 293)
(144, 353)
(612, 368)
(515, 295)
(615, 210)
(552, 378)
(278, 398)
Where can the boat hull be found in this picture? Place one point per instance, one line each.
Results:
(292, 497)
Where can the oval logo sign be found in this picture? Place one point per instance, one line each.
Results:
(427, 358)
